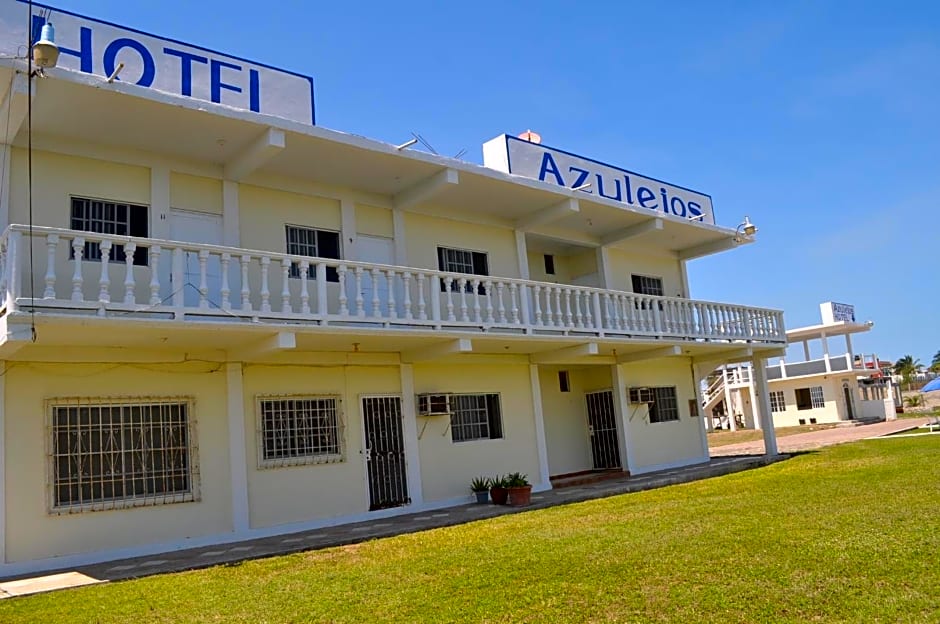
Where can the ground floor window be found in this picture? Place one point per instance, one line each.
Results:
(475, 417)
(777, 403)
(664, 407)
(299, 430)
(810, 398)
(107, 454)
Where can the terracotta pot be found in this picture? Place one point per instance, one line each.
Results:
(520, 496)
(499, 495)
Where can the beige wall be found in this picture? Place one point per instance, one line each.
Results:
(374, 221)
(264, 212)
(195, 193)
(641, 261)
(580, 268)
(567, 437)
(308, 492)
(446, 466)
(656, 444)
(834, 410)
(33, 533)
(424, 234)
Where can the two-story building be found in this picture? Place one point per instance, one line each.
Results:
(221, 321)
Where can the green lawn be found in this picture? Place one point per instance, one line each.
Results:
(851, 533)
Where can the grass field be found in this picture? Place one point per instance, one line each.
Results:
(725, 437)
(850, 533)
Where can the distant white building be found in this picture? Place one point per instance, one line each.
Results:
(830, 389)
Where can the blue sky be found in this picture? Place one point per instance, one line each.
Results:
(820, 120)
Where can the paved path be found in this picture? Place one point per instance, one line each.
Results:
(819, 439)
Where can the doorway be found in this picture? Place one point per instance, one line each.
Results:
(849, 403)
(378, 250)
(385, 452)
(196, 227)
(602, 427)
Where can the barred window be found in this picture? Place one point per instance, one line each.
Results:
(299, 430)
(647, 285)
(112, 454)
(302, 241)
(475, 417)
(664, 407)
(816, 396)
(777, 403)
(462, 261)
(810, 398)
(105, 217)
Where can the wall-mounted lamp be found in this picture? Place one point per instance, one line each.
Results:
(45, 51)
(746, 228)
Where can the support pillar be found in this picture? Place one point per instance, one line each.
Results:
(699, 398)
(622, 413)
(761, 403)
(540, 445)
(237, 453)
(729, 408)
(825, 346)
(410, 433)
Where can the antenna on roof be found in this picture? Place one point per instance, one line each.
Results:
(427, 145)
(460, 153)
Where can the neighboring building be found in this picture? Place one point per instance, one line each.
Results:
(830, 389)
(220, 321)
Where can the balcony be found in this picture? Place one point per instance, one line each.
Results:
(178, 282)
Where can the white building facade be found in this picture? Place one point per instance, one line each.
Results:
(220, 321)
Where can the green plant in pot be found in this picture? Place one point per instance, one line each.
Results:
(520, 490)
(481, 487)
(499, 492)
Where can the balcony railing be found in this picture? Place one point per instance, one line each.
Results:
(182, 281)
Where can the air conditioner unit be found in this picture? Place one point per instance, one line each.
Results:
(641, 395)
(433, 404)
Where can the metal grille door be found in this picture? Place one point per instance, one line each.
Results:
(385, 452)
(602, 425)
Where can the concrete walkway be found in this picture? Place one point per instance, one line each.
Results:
(818, 439)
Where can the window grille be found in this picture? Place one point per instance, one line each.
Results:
(816, 396)
(294, 430)
(302, 241)
(462, 261)
(647, 285)
(475, 417)
(810, 398)
(114, 453)
(777, 402)
(105, 217)
(665, 406)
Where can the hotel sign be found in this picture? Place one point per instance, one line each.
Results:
(555, 166)
(835, 312)
(94, 47)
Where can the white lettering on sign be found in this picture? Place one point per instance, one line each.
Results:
(94, 47)
(555, 166)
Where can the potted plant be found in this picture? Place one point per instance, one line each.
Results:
(520, 490)
(481, 487)
(499, 494)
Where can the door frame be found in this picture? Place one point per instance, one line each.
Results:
(587, 419)
(364, 442)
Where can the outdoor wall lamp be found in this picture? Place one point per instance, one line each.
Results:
(745, 227)
(45, 51)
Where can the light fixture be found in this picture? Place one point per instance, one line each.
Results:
(745, 227)
(45, 51)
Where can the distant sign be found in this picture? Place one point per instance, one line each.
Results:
(94, 47)
(836, 312)
(555, 166)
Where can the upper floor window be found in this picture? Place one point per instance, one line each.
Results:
(462, 261)
(647, 285)
(664, 407)
(106, 217)
(303, 241)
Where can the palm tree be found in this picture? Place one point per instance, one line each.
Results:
(935, 361)
(906, 367)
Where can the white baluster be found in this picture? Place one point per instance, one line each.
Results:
(265, 292)
(407, 302)
(360, 308)
(246, 288)
(422, 306)
(52, 244)
(286, 306)
(343, 299)
(567, 307)
(376, 302)
(155, 275)
(609, 313)
(225, 290)
(536, 295)
(322, 302)
(559, 316)
(392, 309)
(179, 261)
(578, 318)
(488, 287)
(501, 306)
(203, 278)
(462, 285)
(514, 303)
(475, 284)
(104, 283)
(304, 287)
(448, 282)
(78, 249)
(129, 285)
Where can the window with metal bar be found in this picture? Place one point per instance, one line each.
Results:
(296, 430)
(303, 241)
(105, 217)
(462, 261)
(475, 417)
(810, 398)
(109, 454)
(777, 402)
(647, 285)
(665, 406)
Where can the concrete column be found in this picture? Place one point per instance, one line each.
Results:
(237, 453)
(622, 414)
(851, 354)
(160, 202)
(761, 404)
(401, 249)
(410, 433)
(522, 255)
(750, 388)
(231, 232)
(729, 408)
(697, 388)
(825, 346)
(540, 444)
(348, 233)
(806, 351)
(603, 267)
(6, 154)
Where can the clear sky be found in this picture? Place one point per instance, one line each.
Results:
(820, 120)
